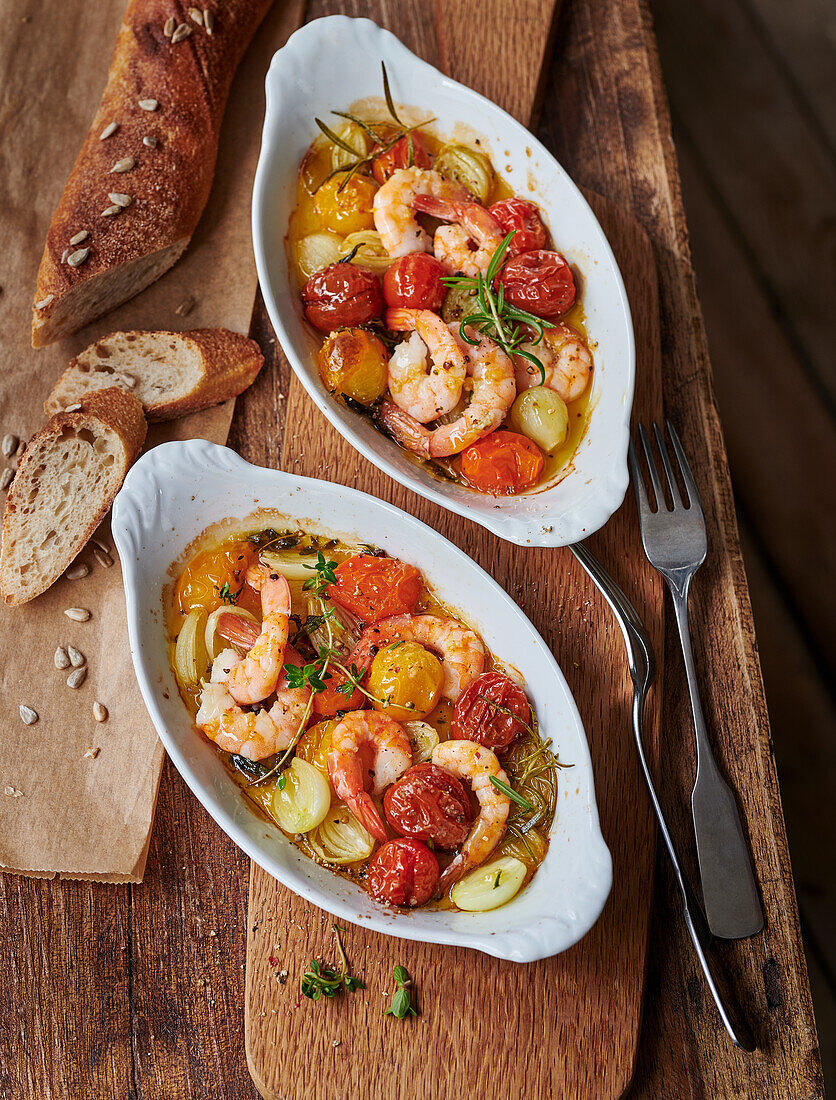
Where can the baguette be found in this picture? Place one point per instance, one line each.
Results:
(69, 474)
(139, 203)
(171, 373)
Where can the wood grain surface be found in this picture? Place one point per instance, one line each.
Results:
(575, 1018)
(125, 992)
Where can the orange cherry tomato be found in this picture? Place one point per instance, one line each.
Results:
(327, 703)
(523, 218)
(375, 588)
(414, 282)
(399, 156)
(202, 581)
(503, 463)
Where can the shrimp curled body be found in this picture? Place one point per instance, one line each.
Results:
(493, 392)
(359, 735)
(467, 245)
(476, 765)
(566, 359)
(421, 390)
(253, 677)
(394, 208)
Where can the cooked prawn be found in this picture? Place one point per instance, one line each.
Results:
(425, 391)
(494, 389)
(254, 676)
(566, 360)
(394, 208)
(460, 649)
(254, 734)
(362, 733)
(468, 245)
(476, 764)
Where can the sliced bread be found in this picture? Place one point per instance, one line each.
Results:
(69, 474)
(171, 373)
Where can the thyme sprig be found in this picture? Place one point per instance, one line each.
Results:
(323, 981)
(497, 318)
(381, 143)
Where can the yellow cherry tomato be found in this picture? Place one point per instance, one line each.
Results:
(203, 579)
(315, 744)
(348, 210)
(354, 363)
(408, 677)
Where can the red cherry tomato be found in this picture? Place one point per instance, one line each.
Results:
(326, 703)
(375, 588)
(540, 282)
(342, 295)
(503, 463)
(398, 157)
(428, 803)
(402, 872)
(523, 219)
(474, 719)
(414, 282)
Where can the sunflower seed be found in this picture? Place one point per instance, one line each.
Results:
(124, 164)
(110, 211)
(82, 235)
(73, 408)
(119, 199)
(76, 572)
(100, 712)
(196, 15)
(105, 560)
(170, 24)
(44, 302)
(77, 677)
(183, 31)
(209, 21)
(91, 752)
(77, 614)
(28, 715)
(75, 259)
(6, 478)
(62, 658)
(8, 445)
(77, 658)
(186, 306)
(64, 255)
(151, 142)
(148, 104)
(101, 545)
(111, 128)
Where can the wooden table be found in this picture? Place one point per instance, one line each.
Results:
(138, 991)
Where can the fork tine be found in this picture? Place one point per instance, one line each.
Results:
(661, 504)
(687, 476)
(638, 481)
(666, 462)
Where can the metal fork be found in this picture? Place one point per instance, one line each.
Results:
(675, 543)
(642, 672)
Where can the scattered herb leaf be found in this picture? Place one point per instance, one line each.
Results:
(401, 1005)
(321, 980)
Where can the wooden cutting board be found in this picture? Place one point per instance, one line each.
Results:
(563, 1027)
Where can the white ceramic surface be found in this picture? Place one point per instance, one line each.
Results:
(331, 63)
(173, 494)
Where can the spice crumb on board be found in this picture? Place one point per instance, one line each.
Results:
(92, 752)
(13, 792)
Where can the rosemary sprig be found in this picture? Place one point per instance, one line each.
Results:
(511, 793)
(495, 316)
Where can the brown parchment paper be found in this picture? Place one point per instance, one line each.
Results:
(76, 815)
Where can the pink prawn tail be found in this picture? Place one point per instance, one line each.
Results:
(366, 813)
(444, 209)
(400, 320)
(404, 428)
(237, 630)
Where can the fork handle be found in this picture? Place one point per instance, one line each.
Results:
(729, 891)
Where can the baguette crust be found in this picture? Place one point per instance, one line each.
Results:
(111, 415)
(168, 185)
(228, 363)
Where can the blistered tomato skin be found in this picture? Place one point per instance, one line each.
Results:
(330, 702)
(402, 872)
(341, 295)
(354, 363)
(521, 218)
(346, 207)
(375, 588)
(540, 282)
(429, 804)
(503, 463)
(414, 282)
(474, 719)
(398, 157)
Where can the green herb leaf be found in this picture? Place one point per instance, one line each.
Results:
(323, 981)
(226, 595)
(512, 794)
(281, 782)
(401, 1005)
